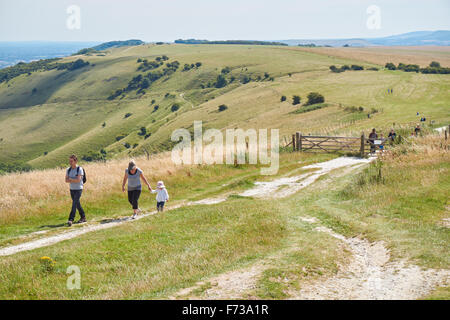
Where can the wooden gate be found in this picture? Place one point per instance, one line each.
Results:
(359, 145)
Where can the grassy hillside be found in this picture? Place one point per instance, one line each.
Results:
(154, 257)
(47, 115)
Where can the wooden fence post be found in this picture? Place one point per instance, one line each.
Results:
(362, 145)
(293, 142)
(300, 142)
(297, 140)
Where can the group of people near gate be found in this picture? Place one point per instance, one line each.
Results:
(76, 177)
(378, 141)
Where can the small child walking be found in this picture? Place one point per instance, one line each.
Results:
(161, 196)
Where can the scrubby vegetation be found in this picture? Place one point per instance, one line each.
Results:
(354, 67)
(247, 42)
(9, 73)
(314, 97)
(434, 67)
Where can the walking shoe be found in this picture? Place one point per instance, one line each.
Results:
(82, 220)
(69, 223)
(134, 216)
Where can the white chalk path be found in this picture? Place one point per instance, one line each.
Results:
(262, 189)
(441, 129)
(294, 184)
(370, 275)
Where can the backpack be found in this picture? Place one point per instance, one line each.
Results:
(78, 171)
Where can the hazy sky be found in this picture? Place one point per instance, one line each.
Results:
(167, 20)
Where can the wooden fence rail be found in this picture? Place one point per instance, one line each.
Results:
(360, 145)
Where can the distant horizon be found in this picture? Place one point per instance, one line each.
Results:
(224, 39)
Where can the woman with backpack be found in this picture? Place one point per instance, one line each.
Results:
(134, 175)
(76, 177)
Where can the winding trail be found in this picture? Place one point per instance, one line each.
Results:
(293, 184)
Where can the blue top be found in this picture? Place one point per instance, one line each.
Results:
(134, 180)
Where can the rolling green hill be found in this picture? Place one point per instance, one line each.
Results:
(46, 115)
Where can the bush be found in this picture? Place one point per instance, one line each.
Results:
(296, 100)
(411, 68)
(155, 108)
(175, 107)
(127, 115)
(221, 81)
(390, 66)
(120, 137)
(127, 145)
(314, 98)
(226, 70)
(143, 131)
(222, 107)
(435, 64)
(283, 98)
(357, 67)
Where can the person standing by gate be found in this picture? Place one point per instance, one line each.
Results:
(372, 136)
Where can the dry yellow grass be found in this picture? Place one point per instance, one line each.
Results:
(24, 193)
(381, 55)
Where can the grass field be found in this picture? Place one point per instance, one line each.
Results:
(154, 257)
(67, 112)
(402, 199)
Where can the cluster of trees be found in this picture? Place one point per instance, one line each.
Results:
(140, 82)
(77, 64)
(313, 98)
(225, 77)
(434, 67)
(145, 65)
(86, 51)
(9, 73)
(94, 156)
(359, 109)
(250, 42)
(188, 67)
(345, 67)
(14, 167)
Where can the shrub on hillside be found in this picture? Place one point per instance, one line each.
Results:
(283, 98)
(390, 66)
(222, 107)
(314, 98)
(296, 100)
(175, 107)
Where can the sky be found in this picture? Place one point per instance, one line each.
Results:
(168, 20)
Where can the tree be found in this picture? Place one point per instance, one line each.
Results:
(356, 67)
(283, 98)
(175, 107)
(221, 81)
(143, 131)
(198, 64)
(390, 66)
(145, 84)
(435, 64)
(222, 107)
(314, 97)
(295, 100)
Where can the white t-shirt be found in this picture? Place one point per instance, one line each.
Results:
(72, 173)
